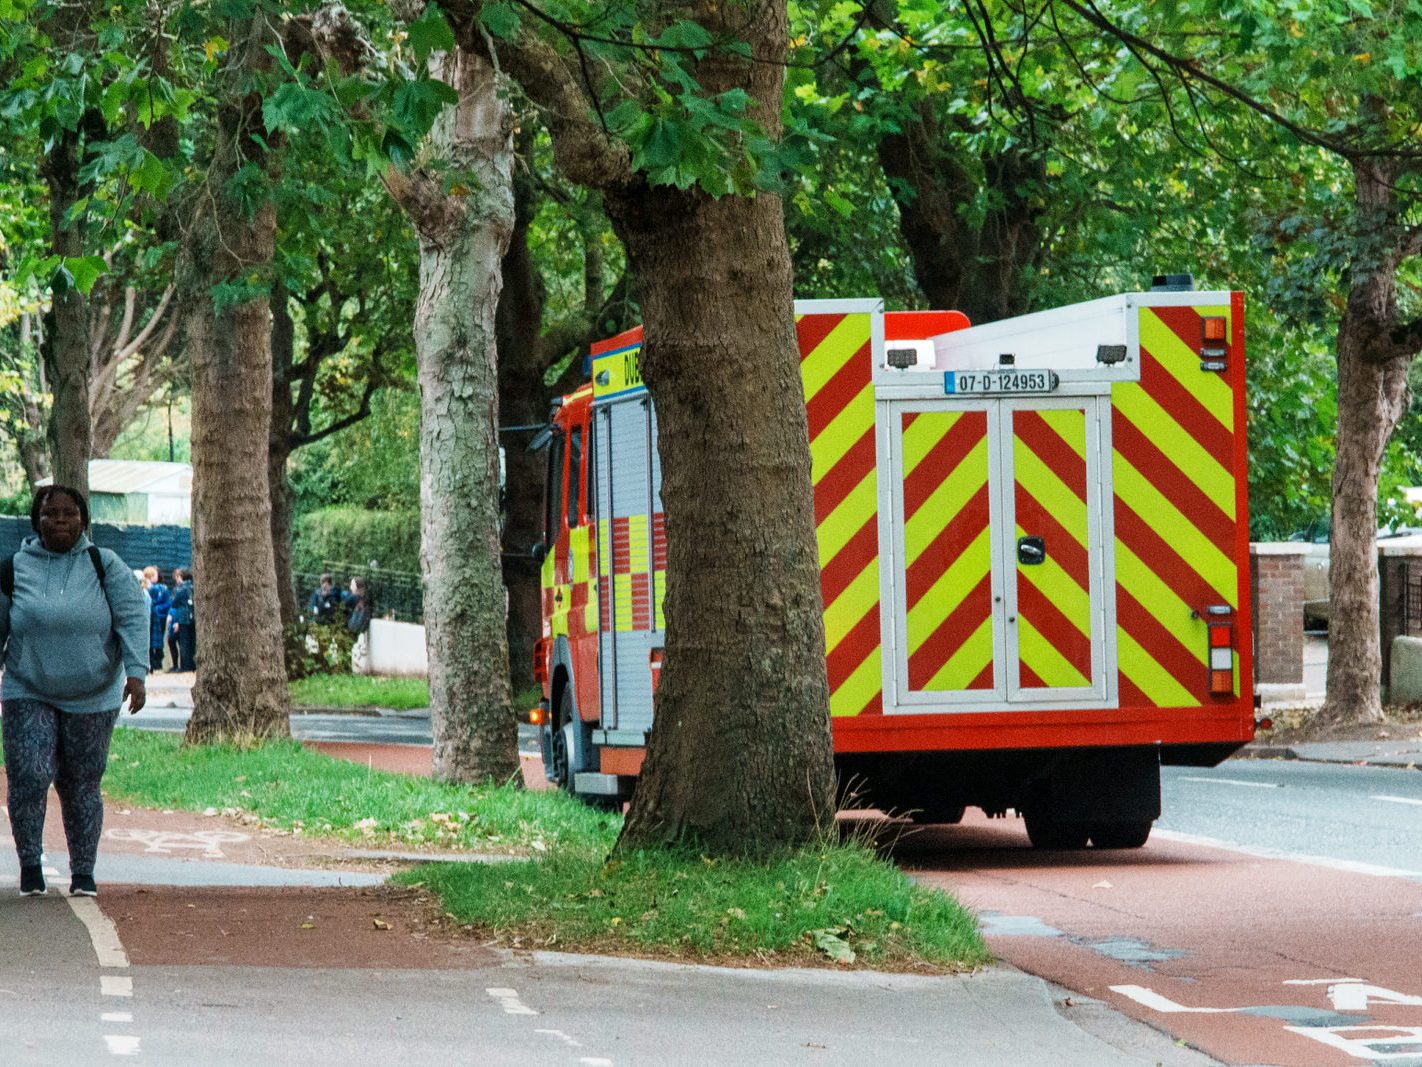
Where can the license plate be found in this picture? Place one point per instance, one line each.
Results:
(989, 382)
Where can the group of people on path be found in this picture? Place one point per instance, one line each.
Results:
(171, 619)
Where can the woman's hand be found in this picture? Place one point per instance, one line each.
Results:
(136, 694)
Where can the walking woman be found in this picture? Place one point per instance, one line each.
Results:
(74, 628)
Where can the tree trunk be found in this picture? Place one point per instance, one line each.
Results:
(1372, 397)
(740, 759)
(240, 693)
(462, 240)
(66, 340)
(523, 401)
(279, 452)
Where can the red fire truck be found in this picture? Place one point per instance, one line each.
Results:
(1034, 558)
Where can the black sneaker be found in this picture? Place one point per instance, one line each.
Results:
(82, 885)
(32, 881)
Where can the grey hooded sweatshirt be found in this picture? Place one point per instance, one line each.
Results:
(69, 641)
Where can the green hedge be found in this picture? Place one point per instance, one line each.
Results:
(357, 536)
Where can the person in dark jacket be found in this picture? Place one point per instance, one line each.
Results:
(324, 603)
(74, 629)
(159, 600)
(181, 620)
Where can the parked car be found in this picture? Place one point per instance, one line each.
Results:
(1315, 538)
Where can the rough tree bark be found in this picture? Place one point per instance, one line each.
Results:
(740, 758)
(279, 448)
(240, 693)
(1374, 352)
(66, 336)
(463, 236)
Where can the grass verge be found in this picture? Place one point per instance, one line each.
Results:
(838, 902)
(360, 691)
(288, 787)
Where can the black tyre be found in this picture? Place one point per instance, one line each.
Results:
(563, 744)
(1056, 835)
(1131, 833)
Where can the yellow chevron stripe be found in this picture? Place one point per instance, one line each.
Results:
(1160, 427)
(859, 598)
(846, 520)
(1042, 657)
(842, 433)
(661, 623)
(831, 354)
(1183, 363)
(922, 434)
(945, 501)
(1153, 594)
(1060, 588)
(1048, 489)
(1198, 551)
(855, 692)
(638, 560)
(961, 577)
(1070, 425)
(966, 663)
(1159, 686)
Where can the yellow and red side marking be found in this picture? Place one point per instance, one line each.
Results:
(631, 604)
(837, 368)
(1053, 597)
(1176, 438)
(948, 565)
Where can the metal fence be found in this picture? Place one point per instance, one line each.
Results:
(396, 595)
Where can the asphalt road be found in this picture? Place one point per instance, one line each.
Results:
(1273, 918)
(1351, 815)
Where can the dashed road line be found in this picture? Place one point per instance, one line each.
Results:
(115, 985)
(1398, 800)
(103, 935)
(508, 1000)
(122, 1044)
(1232, 781)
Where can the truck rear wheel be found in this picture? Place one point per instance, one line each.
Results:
(1131, 833)
(1047, 832)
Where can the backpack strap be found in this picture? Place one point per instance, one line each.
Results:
(7, 573)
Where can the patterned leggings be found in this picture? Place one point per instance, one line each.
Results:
(43, 745)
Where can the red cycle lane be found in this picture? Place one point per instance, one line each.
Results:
(1253, 960)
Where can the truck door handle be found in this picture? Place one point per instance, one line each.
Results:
(1031, 550)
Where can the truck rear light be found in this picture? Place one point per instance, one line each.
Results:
(1219, 623)
(1213, 349)
(540, 661)
(536, 715)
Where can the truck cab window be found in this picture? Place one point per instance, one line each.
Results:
(575, 472)
(553, 492)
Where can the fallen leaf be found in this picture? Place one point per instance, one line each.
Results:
(380, 924)
(308, 926)
(1103, 885)
(833, 945)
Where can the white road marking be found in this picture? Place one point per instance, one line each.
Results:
(595, 1061)
(565, 1038)
(1156, 1002)
(103, 935)
(116, 985)
(208, 842)
(1319, 981)
(122, 1044)
(1351, 866)
(1233, 781)
(116, 1017)
(1399, 800)
(508, 1000)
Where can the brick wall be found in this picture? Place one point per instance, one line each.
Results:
(1276, 573)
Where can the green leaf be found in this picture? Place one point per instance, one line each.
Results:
(662, 148)
(833, 945)
(83, 271)
(501, 19)
(430, 33)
